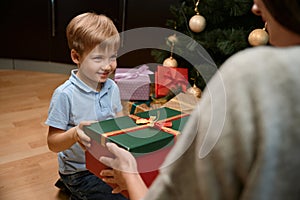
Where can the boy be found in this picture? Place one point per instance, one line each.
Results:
(88, 95)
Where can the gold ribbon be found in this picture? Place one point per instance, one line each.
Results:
(159, 124)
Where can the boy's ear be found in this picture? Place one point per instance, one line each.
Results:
(75, 56)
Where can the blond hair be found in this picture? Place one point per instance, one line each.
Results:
(87, 30)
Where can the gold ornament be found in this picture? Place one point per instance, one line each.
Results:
(171, 62)
(197, 23)
(195, 91)
(258, 37)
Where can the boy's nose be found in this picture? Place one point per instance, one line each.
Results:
(106, 65)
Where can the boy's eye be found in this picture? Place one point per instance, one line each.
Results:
(113, 58)
(102, 58)
(98, 58)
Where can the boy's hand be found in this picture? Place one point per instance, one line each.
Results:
(82, 139)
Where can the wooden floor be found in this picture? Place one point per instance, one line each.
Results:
(28, 170)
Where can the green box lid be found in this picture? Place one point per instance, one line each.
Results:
(144, 140)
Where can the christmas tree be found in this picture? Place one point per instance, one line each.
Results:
(228, 25)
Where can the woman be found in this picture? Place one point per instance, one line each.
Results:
(251, 150)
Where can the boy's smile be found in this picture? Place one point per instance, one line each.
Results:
(103, 75)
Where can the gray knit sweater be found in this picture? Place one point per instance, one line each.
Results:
(243, 139)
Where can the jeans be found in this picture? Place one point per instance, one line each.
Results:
(86, 186)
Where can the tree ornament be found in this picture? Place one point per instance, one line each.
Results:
(258, 37)
(171, 62)
(172, 39)
(197, 23)
(194, 90)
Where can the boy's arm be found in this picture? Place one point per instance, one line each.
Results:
(60, 140)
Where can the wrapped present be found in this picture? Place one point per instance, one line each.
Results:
(133, 107)
(184, 102)
(134, 83)
(138, 106)
(149, 136)
(168, 79)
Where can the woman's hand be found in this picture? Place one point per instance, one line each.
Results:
(122, 166)
(123, 161)
(124, 173)
(114, 177)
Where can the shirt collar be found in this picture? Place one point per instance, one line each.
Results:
(80, 84)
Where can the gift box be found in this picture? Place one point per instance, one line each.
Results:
(138, 106)
(170, 79)
(132, 107)
(149, 136)
(134, 83)
(184, 102)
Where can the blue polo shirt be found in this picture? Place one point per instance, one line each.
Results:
(73, 102)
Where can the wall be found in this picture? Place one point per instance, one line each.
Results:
(32, 65)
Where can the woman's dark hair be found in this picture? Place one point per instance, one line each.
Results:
(286, 12)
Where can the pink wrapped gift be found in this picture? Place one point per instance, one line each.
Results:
(134, 83)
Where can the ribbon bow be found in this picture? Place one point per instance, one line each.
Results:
(152, 121)
(134, 73)
(175, 79)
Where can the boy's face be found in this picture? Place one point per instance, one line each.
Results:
(96, 66)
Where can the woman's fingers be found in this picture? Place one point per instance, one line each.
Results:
(117, 190)
(107, 161)
(107, 172)
(113, 148)
(110, 180)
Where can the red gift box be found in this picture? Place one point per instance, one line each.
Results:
(170, 79)
(149, 143)
(134, 83)
(147, 172)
